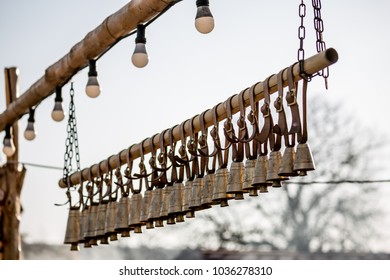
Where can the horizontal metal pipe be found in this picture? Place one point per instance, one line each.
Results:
(106, 34)
(311, 66)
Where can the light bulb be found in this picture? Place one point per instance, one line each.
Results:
(204, 21)
(9, 147)
(29, 133)
(58, 113)
(93, 88)
(140, 56)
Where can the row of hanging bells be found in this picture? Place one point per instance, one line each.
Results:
(196, 183)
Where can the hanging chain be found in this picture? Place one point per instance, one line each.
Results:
(71, 139)
(320, 44)
(301, 37)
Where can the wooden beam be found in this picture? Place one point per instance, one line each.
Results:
(95, 43)
(311, 65)
(11, 181)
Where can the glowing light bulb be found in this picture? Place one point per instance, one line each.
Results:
(29, 133)
(9, 147)
(140, 56)
(204, 21)
(93, 88)
(58, 113)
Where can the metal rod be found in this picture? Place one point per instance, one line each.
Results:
(311, 65)
(112, 29)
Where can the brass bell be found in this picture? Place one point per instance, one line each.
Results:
(220, 184)
(89, 234)
(274, 163)
(84, 227)
(236, 180)
(303, 159)
(287, 166)
(260, 174)
(186, 199)
(146, 201)
(135, 212)
(165, 206)
(196, 195)
(109, 226)
(101, 221)
(207, 191)
(248, 177)
(176, 202)
(122, 217)
(72, 229)
(82, 222)
(155, 207)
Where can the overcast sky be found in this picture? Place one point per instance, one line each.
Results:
(187, 73)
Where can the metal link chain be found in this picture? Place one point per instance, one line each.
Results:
(301, 37)
(71, 139)
(320, 44)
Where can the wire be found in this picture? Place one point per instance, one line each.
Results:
(36, 165)
(338, 182)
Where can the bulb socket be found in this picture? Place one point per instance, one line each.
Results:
(200, 3)
(92, 68)
(140, 34)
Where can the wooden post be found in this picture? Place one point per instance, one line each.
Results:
(11, 182)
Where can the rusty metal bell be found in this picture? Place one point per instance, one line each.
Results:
(260, 174)
(146, 201)
(101, 221)
(248, 177)
(186, 199)
(274, 163)
(84, 227)
(167, 190)
(196, 195)
(236, 180)
(303, 159)
(72, 229)
(207, 191)
(109, 226)
(220, 185)
(122, 217)
(176, 202)
(155, 207)
(287, 166)
(135, 212)
(89, 234)
(82, 222)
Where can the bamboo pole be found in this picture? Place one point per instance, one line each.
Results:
(311, 65)
(95, 43)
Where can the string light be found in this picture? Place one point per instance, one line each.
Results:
(9, 147)
(204, 21)
(29, 133)
(58, 113)
(140, 56)
(93, 88)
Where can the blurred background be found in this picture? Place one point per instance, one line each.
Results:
(189, 72)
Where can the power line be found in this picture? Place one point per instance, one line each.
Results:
(338, 182)
(332, 182)
(37, 165)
